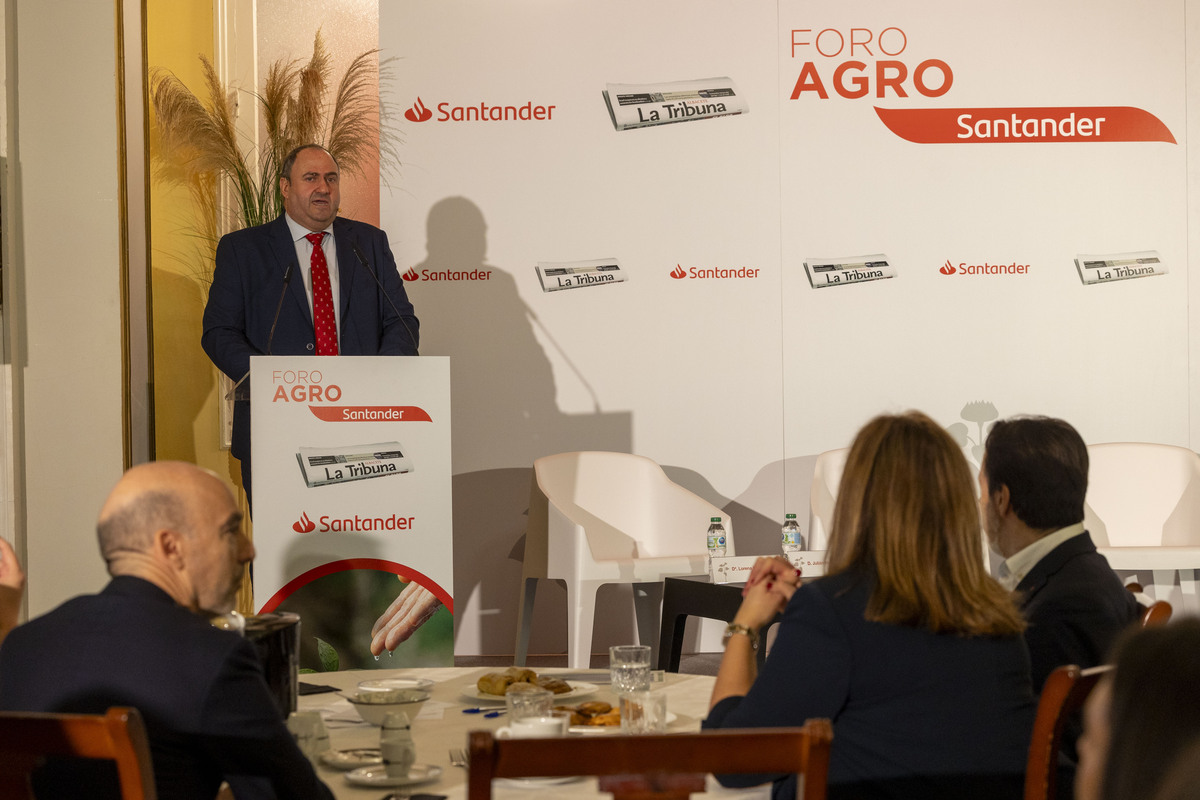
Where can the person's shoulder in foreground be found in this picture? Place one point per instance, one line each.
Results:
(172, 539)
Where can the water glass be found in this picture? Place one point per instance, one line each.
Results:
(629, 668)
(644, 712)
(526, 700)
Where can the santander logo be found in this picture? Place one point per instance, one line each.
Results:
(447, 275)
(304, 524)
(482, 111)
(986, 268)
(418, 112)
(703, 273)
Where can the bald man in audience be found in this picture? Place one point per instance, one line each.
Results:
(1032, 488)
(172, 538)
(12, 588)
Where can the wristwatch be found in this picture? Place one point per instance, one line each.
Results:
(733, 628)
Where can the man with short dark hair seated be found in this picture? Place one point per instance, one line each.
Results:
(173, 541)
(1033, 483)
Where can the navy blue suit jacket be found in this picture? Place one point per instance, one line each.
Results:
(208, 712)
(248, 281)
(1075, 606)
(915, 713)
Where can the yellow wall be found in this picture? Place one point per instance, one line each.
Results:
(185, 382)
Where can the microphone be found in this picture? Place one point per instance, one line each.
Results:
(363, 260)
(287, 278)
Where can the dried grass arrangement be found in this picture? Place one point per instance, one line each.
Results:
(199, 147)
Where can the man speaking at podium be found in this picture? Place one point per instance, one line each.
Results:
(309, 283)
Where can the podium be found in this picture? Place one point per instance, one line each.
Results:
(352, 506)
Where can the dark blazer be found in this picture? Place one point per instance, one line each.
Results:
(1075, 606)
(248, 281)
(208, 712)
(915, 713)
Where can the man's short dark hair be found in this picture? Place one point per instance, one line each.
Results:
(1044, 463)
(285, 169)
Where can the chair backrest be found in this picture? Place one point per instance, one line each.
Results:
(626, 503)
(664, 766)
(1157, 613)
(1062, 696)
(822, 496)
(27, 739)
(1143, 495)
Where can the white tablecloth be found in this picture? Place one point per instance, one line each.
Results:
(442, 725)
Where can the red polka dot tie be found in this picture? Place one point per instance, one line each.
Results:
(323, 322)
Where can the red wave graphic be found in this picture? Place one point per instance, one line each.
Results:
(418, 112)
(948, 269)
(370, 413)
(1082, 124)
(304, 524)
(403, 571)
(678, 272)
(411, 275)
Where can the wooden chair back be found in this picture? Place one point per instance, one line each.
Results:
(1157, 613)
(659, 766)
(1063, 694)
(28, 739)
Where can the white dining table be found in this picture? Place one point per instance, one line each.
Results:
(441, 725)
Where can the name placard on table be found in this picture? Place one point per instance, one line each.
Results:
(736, 569)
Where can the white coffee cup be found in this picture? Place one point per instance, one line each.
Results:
(546, 727)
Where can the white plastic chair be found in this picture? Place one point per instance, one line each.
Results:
(597, 518)
(822, 496)
(1143, 512)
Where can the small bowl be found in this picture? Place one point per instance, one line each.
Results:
(374, 706)
(388, 684)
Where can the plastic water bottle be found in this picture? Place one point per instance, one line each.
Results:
(716, 539)
(793, 540)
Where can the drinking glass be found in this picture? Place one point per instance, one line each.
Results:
(526, 700)
(644, 712)
(629, 668)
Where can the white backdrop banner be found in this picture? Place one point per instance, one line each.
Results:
(769, 222)
(352, 522)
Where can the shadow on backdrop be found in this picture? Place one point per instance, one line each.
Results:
(505, 415)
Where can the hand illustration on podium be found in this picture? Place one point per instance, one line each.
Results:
(411, 609)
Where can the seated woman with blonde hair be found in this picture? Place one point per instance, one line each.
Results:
(907, 644)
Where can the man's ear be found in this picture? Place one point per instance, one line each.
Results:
(170, 545)
(1002, 501)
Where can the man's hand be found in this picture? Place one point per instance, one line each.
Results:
(12, 585)
(411, 609)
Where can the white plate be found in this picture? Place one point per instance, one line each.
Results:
(387, 684)
(533, 783)
(593, 730)
(352, 759)
(578, 689)
(377, 776)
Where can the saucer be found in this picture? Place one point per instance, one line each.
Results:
(377, 776)
(352, 759)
